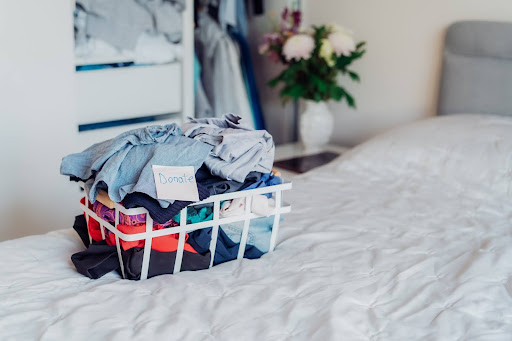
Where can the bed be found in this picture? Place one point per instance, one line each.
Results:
(408, 236)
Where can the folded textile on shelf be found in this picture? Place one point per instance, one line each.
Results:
(237, 150)
(121, 22)
(149, 49)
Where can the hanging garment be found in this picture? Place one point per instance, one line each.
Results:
(232, 13)
(237, 150)
(258, 7)
(221, 71)
(124, 163)
(202, 106)
(250, 81)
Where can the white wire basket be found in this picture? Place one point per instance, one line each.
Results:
(281, 207)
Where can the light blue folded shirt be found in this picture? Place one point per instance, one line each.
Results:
(124, 163)
(260, 230)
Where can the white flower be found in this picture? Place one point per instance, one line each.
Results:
(326, 51)
(298, 46)
(342, 41)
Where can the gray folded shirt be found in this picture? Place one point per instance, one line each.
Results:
(237, 150)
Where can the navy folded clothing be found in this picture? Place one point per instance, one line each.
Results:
(218, 185)
(225, 250)
(159, 214)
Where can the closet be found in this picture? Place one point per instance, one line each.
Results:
(120, 88)
(124, 78)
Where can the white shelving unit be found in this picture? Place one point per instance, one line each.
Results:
(161, 90)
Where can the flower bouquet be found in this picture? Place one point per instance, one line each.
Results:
(313, 59)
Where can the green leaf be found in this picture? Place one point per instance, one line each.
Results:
(354, 76)
(272, 83)
(296, 90)
(319, 83)
(361, 44)
(350, 100)
(336, 93)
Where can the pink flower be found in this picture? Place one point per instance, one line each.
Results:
(342, 42)
(272, 38)
(298, 46)
(284, 14)
(297, 18)
(274, 56)
(263, 48)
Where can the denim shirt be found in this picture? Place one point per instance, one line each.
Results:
(124, 163)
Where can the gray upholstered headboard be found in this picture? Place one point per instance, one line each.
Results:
(477, 69)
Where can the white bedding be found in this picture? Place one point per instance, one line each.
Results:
(407, 237)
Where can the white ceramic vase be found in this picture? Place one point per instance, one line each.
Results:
(315, 126)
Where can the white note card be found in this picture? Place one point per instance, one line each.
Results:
(175, 183)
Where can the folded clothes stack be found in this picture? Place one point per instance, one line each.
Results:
(226, 157)
(143, 31)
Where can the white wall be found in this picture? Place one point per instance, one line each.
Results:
(401, 71)
(36, 109)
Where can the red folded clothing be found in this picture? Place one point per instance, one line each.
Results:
(168, 243)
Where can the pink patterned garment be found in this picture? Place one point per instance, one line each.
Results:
(132, 220)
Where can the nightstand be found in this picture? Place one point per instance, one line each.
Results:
(291, 159)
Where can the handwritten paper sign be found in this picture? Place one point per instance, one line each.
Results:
(175, 183)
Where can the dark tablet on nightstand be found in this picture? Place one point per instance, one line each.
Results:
(306, 163)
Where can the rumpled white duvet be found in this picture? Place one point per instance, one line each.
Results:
(409, 236)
